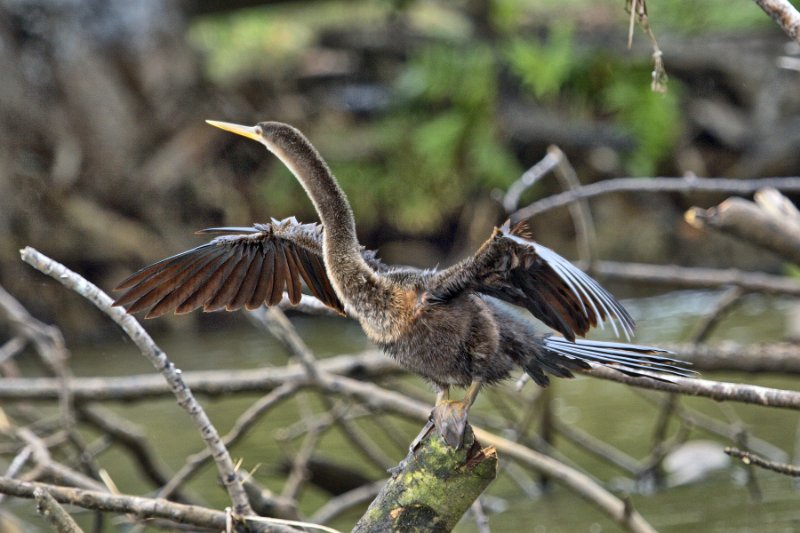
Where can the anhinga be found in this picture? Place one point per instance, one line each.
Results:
(450, 326)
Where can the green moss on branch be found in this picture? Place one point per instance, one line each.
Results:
(432, 487)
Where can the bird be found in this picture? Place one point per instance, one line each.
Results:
(455, 326)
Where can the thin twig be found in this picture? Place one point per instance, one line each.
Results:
(701, 421)
(585, 233)
(369, 365)
(750, 458)
(246, 420)
(528, 179)
(11, 348)
(298, 473)
(131, 438)
(280, 326)
(677, 276)
(608, 453)
(478, 514)
(50, 346)
(46, 466)
(638, 11)
(729, 299)
(344, 502)
(230, 478)
(684, 185)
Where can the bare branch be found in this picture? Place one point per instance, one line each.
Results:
(784, 14)
(58, 517)
(240, 427)
(344, 502)
(716, 390)
(528, 179)
(369, 364)
(678, 276)
(750, 458)
(729, 299)
(582, 484)
(412, 498)
(50, 346)
(579, 211)
(230, 478)
(131, 438)
(658, 185)
(747, 221)
(135, 505)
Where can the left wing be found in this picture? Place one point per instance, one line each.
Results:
(242, 267)
(512, 267)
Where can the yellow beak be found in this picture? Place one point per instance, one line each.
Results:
(246, 131)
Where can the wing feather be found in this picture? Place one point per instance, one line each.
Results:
(264, 287)
(232, 281)
(249, 282)
(514, 268)
(240, 267)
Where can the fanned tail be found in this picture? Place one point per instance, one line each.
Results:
(561, 356)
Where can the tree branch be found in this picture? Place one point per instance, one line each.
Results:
(750, 458)
(716, 390)
(135, 505)
(678, 276)
(140, 337)
(48, 507)
(657, 185)
(784, 14)
(751, 223)
(412, 499)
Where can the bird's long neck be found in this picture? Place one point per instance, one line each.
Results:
(344, 263)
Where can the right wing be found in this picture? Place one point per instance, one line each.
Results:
(512, 267)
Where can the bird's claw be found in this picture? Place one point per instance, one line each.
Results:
(450, 419)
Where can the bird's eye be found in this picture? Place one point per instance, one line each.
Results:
(258, 130)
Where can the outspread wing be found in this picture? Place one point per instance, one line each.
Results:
(512, 267)
(242, 267)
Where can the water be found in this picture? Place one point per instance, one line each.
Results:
(722, 502)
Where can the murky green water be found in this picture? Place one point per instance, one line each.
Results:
(722, 502)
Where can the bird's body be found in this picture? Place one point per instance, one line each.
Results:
(450, 326)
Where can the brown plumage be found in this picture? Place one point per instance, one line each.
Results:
(450, 326)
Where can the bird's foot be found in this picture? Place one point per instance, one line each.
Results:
(450, 419)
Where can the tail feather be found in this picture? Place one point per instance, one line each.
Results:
(630, 359)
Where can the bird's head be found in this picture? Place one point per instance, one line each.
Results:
(283, 140)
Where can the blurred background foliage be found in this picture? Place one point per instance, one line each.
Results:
(436, 126)
(425, 110)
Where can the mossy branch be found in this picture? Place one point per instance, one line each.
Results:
(432, 487)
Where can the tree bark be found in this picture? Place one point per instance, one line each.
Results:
(432, 487)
